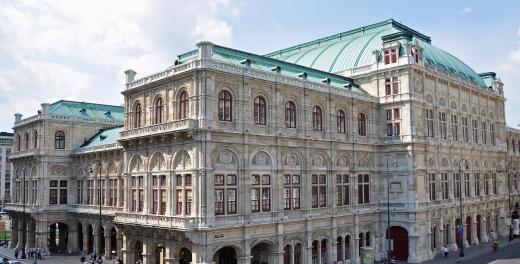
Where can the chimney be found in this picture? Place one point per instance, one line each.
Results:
(45, 108)
(130, 75)
(205, 48)
(17, 117)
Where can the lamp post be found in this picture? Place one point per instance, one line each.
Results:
(389, 250)
(23, 217)
(91, 171)
(461, 228)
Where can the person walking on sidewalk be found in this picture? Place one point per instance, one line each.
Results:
(445, 251)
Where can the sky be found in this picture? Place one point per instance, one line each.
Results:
(78, 50)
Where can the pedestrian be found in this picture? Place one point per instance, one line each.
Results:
(16, 253)
(445, 251)
(393, 260)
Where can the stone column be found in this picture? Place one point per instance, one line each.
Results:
(119, 249)
(126, 252)
(85, 239)
(41, 236)
(21, 234)
(108, 243)
(453, 235)
(319, 252)
(308, 253)
(14, 233)
(355, 249)
(333, 253)
(483, 229)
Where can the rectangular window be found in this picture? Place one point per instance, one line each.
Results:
(477, 184)
(225, 194)
(260, 193)
(342, 190)
(456, 185)
(319, 190)
(431, 185)
(454, 127)
(393, 122)
(133, 207)
(392, 85)
(291, 192)
(465, 133)
(183, 195)
(494, 183)
(442, 124)
(140, 194)
(79, 192)
(429, 122)
(390, 55)
(486, 184)
(492, 134)
(484, 132)
(444, 184)
(466, 185)
(363, 189)
(474, 126)
(53, 196)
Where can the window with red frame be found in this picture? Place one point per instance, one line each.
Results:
(341, 122)
(393, 122)
(390, 55)
(159, 110)
(184, 196)
(225, 106)
(260, 110)
(362, 124)
(260, 193)
(137, 115)
(290, 114)
(392, 85)
(317, 118)
(225, 194)
(183, 105)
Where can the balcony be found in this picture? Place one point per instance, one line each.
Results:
(160, 221)
(94, 209)
(36, 208)
(179, 125)
(24, 153)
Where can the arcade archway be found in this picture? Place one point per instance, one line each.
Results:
(399, 236)
(58, 234)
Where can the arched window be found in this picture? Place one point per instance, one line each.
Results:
(316, 118)
(183, 105)
(225, 106)
(26, 140)
(290, 114)
(137, 115)
(35, 139)
(341, 122)
(59, 140)
(362, 124)
(158, 110)
(260, 110)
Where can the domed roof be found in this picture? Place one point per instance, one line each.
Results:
(355, 48)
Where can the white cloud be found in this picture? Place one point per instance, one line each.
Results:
(465, 10)
(508, 71)
(277, 25)
(58, 49)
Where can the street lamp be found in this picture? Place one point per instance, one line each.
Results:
(23, 217)
(91, 172)
(389, 250)
(461, 228)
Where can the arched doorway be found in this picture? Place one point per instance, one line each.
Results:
(138, 251)
(226, 255)
(90, 241)
(79, 237)
(261, 253)
(159, 254)
(113, 242)
(58, 234)
(101, 241)
(468, 229)
(479, 220)
(399, 236)
(457, 234)
(185, 256)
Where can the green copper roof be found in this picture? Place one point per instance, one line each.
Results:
(104, 137)
(355, 48)
(258, 62)
(87, 110)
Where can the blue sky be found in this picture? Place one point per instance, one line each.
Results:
(77, 50)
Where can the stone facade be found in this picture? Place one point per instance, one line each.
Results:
(6, 147)
(210, 178)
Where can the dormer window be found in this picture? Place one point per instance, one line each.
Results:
(416, 52)
(391, 55)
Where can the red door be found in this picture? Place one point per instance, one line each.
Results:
(400, 237)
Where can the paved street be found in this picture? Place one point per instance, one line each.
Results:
(65, 259)
(508, 253)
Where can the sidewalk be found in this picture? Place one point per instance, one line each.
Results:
(473, 251)
(62, 259)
